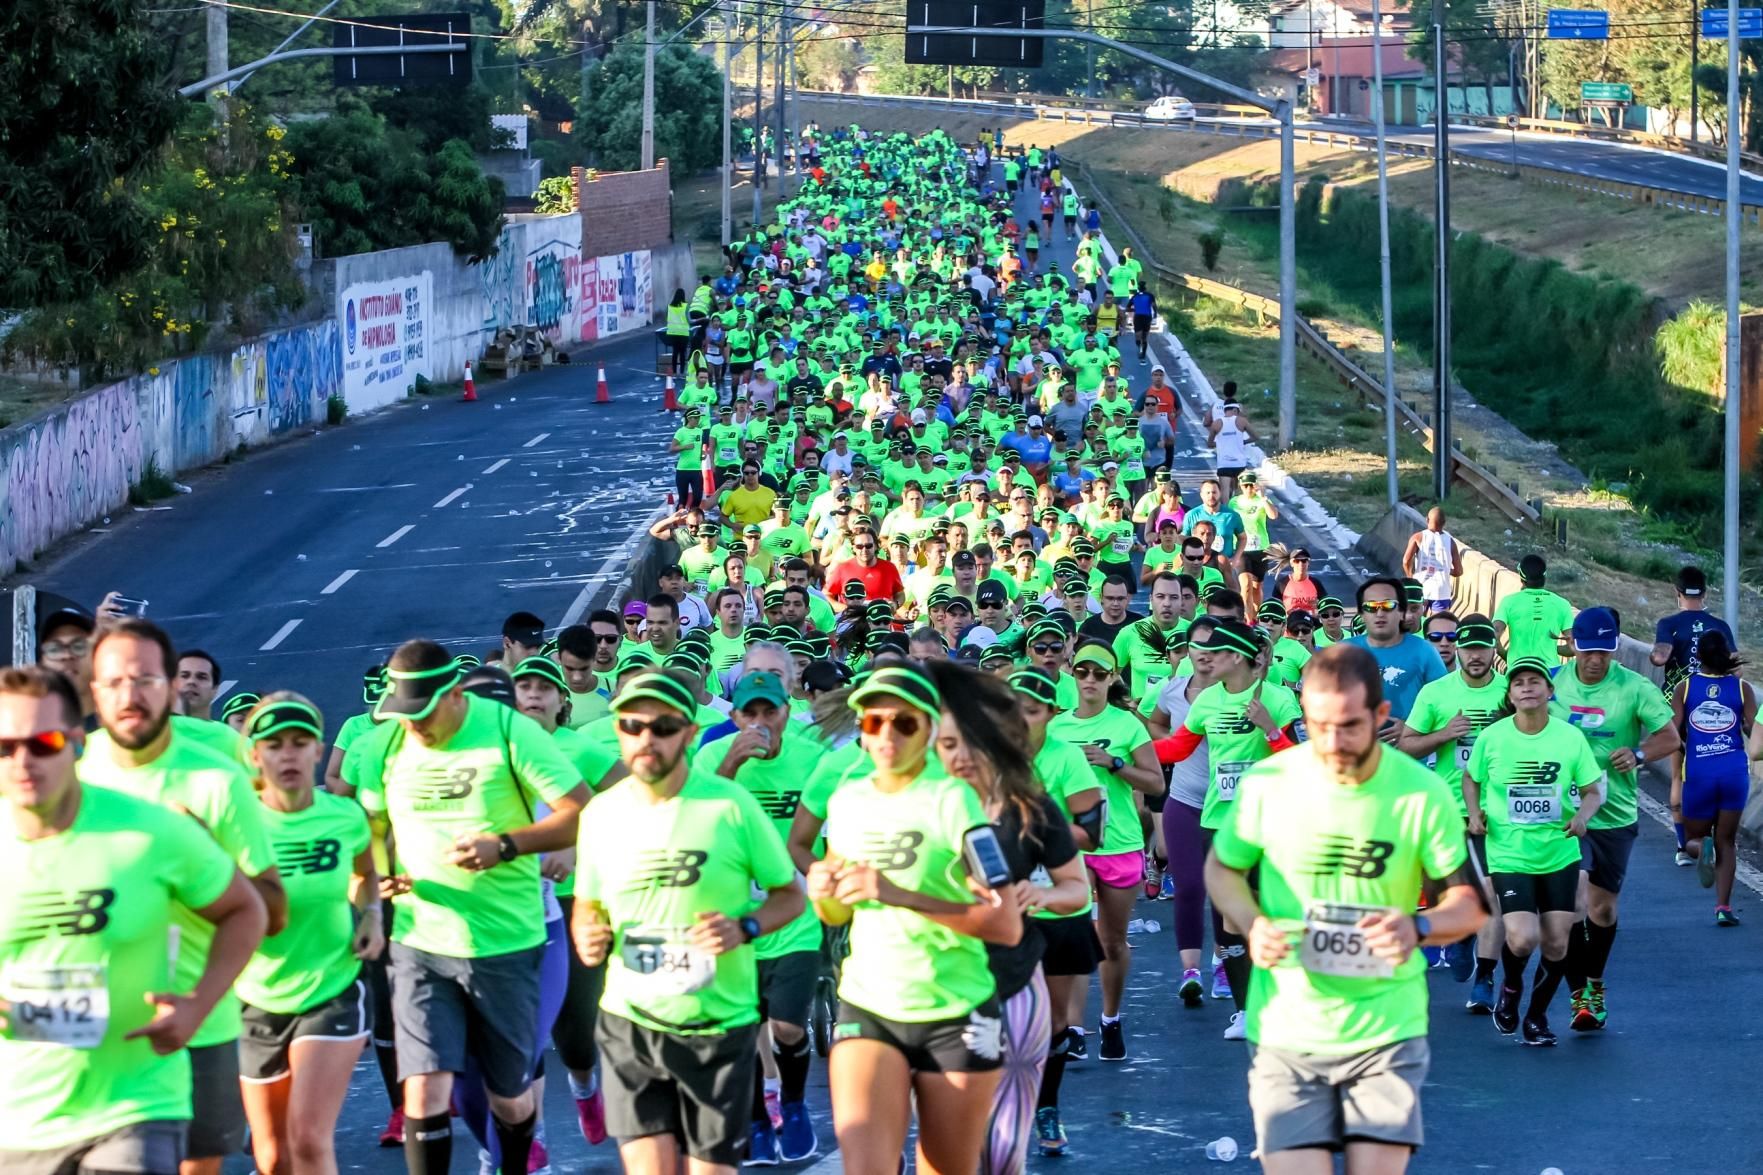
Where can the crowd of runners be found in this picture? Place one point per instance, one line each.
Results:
(872, 780)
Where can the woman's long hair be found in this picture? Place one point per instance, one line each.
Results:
(985, 709)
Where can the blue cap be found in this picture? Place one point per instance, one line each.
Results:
(1595, 631)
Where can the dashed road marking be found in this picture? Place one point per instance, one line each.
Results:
(396, 535)
(493, 468)
(281, 634)
(452, 497)
(331, 587)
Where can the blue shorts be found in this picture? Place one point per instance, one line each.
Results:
(1724, 791)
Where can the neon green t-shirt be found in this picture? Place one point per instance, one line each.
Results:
(87, 915)
(218, 737)
(1529, 792)
(1233, 743)
(1618, 712)
(1440, 701)
(655, 868)
(689, 457)
(492, 772)
(1532, 617)
(902, 965)
(309, 962)
(776, 784)
(1063, 772)
(353, 728)
(1118, 733)
(1322, 843)
(831, 773)
(217, 792)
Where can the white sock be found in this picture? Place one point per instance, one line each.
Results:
(774, 1085)
(1110, 1019)
(582, 1090)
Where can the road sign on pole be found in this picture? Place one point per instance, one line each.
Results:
(443, 29)
(1606, 92)
(958, 49)
(1715, 22)
(1578, 24)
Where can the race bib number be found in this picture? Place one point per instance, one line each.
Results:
(1533, 803)
(1040, 877)
(1228, 775)
(1123, 546)
(1334, 945)
(664, 967)
(1464, 750)
(68, 1006)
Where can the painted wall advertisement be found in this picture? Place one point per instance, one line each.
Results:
(624, 289)
(385, 326)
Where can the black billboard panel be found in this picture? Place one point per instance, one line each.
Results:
(956, 49)
(403, 69)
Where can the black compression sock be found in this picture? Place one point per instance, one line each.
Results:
(1599, 940)
(1484, 969)
(1576, 964)
(792, 1069)
(387, 1058)
(428, 1144)
(1053, 1074)
(1549, 975)
(1514, 967)
(516, 1139)
(1238, 968)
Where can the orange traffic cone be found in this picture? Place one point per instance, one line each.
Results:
(709, 472)
(470, 387)
(601, 394)
(671, 402)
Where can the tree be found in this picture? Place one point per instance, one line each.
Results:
(1480, 41)
(829, 63)
(688, 110)
(85, 116)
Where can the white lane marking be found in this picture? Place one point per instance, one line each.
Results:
(221, 690)
(403, 485)
(622, 554)
(338, 582)
(281, 634)
(1748, 875)
(535, 440)
(396, 535)
(494, 468)
(451, 498)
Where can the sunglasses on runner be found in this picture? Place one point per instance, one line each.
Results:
(1437, 637)
(1090, 673)
(665, 726)
(607, 638)
(40, 745)
(1379, 606)
(1044, 649)
(873, 724)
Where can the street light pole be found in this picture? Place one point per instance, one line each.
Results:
(649, 91)
(1734, 131)
(1441, 113)
(1393, 490)
(728, 171)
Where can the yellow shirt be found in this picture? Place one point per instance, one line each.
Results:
(743, 506)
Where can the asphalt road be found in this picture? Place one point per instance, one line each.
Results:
(438, 518)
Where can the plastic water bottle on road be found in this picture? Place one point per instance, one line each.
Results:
(1224, 1150)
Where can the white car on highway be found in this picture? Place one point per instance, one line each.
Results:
(1170, 108)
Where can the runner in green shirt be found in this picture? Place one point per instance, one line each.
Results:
(94, 1070)
(306, 983)
(1531, 779)
(1626, 721)
(1345, 833)
(1533, 621)
(141, 752)
(772, 758)
(681, 872)
(373, 684)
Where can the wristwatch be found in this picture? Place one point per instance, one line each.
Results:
(1422, 928)
(509, 849)
(749, 928)
(1640, 756)
(1116, 763)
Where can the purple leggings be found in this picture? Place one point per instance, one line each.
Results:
(1185, 846)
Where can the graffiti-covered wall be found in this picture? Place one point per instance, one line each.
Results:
(76, 463)
(539, 278)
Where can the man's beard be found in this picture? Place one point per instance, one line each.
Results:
(136, 742)
(666, 766)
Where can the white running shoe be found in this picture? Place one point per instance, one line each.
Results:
(1236, 1029)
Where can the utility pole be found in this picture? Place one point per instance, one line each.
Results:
(1729, 584)
(758, 109)
(1695, 59)
(1383, 256)
(1089, 49)
(217, 51)
(783, 51)
(1441, 360)
(795, 106)
(728, 171)
(649, 90)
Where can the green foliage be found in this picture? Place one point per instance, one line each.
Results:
(367, 186)
(1211, 244)
(1168, 207)
(688, 110)
(83, 118)
(220, 254)
(435, 114)
(827, 63)
(1692, 348)
(336, 409)
(557, 155)
(556, 194)
(155, 485)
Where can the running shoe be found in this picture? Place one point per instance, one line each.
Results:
(1049, 1131)
(538, 1160)
(1079, 1049)
(1705, 863)
(1481, 997)
(1683, 859)
(1537, 1034)
(1588, 1008)
(1236, 1029)
(1191, 990)
(1462, 956)
(1220, 982)
(795, 1138)
(1506, 1011)
(393, 1134)
(761, 1146)
(1723, 916)
(1166, 892)
(1435, 958)
(1113, 1047)
(774, 1108)
(590, 1115)
(1153, 878)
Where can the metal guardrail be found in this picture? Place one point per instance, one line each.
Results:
(1607, 134)
(1670, 198)
(1477, 477)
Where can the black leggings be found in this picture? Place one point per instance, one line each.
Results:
(681, 345)
(688, 485)
(573, 1033)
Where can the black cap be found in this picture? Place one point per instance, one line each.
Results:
(991, 592)
(524, 628)
(1692, 583)
(963, 559)
(64, 617)
(1532, 569)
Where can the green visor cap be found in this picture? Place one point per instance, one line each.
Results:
(660, 686)
(1033, 683)
(900, 682)
(1096, 654)
(1230, 636)
(1526, 665)
(238, 704)
(414, 693)
(284, 716)
(1475, 634)
(542, 667)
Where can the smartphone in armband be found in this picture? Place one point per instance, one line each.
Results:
(984, 856)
